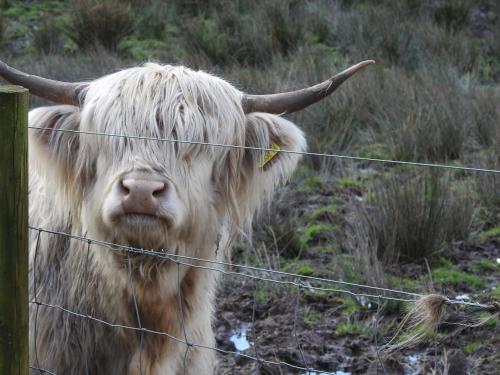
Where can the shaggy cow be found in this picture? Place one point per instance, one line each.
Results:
(180, 197)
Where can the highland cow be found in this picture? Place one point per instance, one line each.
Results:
(180, 196)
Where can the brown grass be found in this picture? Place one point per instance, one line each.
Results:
(411, 217)
(104, 23)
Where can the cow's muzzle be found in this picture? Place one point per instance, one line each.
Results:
(142, 193)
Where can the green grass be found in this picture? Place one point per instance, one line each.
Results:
(349, 305)
(488, 319)
(446, 275)
(261, 296)
(351, 183)
(305, 270)
(490, 234)
(300, 267)
(313, 230)
(405, 283)
(495, 293)
(492, 295)
(471, 347)
(351, 328)
(143, 50)
(324, 213)
(486, 265)
(313, 183)
(311, 316)
(375, 151)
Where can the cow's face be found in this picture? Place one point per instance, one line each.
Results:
(163, 194)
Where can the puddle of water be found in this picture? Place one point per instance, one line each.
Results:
(463, 297)
(413, 358)
(239, 337)
(412, 362)
(363, 301)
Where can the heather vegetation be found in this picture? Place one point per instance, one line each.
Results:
(433, 97)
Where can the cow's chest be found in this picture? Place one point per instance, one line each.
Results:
(162, 305)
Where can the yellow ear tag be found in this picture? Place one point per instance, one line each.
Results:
(270, 154)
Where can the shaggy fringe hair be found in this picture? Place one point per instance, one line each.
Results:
(176, 103)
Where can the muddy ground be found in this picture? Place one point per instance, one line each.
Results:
(328, 332)
(279, 329)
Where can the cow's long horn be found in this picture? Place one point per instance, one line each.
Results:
(55, 91)
(293, 101)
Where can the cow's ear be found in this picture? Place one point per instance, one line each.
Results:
(53, 140)
(263, 171)
(274, 133)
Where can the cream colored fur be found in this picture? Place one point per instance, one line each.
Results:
(218, 193)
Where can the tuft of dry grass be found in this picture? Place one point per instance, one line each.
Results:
(421, 321)
(105, 23)
(488, 184)
(47, 39)
(411, 217)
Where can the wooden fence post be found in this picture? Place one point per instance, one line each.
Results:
(13, 230)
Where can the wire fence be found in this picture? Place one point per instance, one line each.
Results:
(298, 284)
(268, 149)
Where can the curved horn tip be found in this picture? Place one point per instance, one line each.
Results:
(293, 101)
(357, 67)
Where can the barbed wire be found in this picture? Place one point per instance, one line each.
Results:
(175, 258)
(276, 150)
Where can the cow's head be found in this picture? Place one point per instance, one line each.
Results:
(180, 190)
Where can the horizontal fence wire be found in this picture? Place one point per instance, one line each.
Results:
(269, 149)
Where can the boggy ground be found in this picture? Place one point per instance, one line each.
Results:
(340, 334)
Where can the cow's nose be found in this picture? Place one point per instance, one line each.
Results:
(142, 194)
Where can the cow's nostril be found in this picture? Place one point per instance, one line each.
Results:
(123, 188)
(160, 191)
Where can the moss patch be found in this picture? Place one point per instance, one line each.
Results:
(324, 213)
(300, 267)
(314, 230)
(311, 316)
(486, 265)
(490, 234)
(351, 328)
(351, 183)
(454, 276)
(471, 347)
